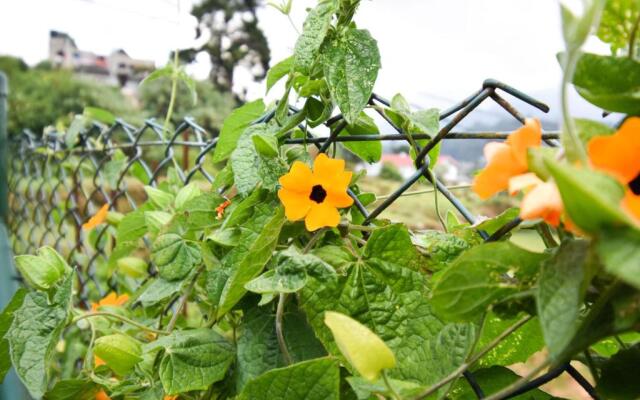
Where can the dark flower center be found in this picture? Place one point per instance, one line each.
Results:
(318, 194)
(634, 185)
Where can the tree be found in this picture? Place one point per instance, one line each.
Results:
(234, 38)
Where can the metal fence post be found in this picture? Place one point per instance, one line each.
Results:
(11, 387)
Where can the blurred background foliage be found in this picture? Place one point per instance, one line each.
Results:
(42, 96)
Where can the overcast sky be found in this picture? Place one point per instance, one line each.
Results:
(433, 51)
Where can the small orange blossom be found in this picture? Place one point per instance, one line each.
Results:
(97, 361)
(506, 160)
(220, 209)
(315, 195)
(112, 299)
(102, 395)
(619, 155)
(97, 219)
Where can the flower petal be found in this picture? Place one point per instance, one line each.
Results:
(298, 179)
(338, 199)
(501, 167)
(543, 201)
(529, 135)
(631, 202)
(98, 218)
(522, 182)
(296, 204)
(326, 169)
(618, 154)
(321, 215)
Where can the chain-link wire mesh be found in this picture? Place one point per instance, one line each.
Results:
(55, 188)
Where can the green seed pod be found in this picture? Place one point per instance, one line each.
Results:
(120, 352)
(54, 258)
(133, 267)
(39, 272)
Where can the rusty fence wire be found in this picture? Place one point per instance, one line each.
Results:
(55, 188)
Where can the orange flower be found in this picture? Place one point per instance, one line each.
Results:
(102, 395)
(170, 397)
(112, 299)
(97, 219)
(97, 362)
(619, 155)
(315, 195)
(542, 201)
(221, 207)
(506, 160)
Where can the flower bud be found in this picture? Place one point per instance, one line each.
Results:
(119, 352)
(39, 272)
(133, 267)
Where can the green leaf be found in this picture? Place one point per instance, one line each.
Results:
(6, 318)
(612, 83)
(132, 227)
(616, 24)
(369, 151)
(174, 256)
(159, 198)
(200, 212)
(351, 63)
(186, 194)
(278, 71)
(386, 294)
(257, 346)
(78, 124)
(159, 290)
(482, 276)
(560, 294)
(365, 390)
(73, 389)
(515, 348)
(314, 31)
(34, 332)
(245, 261)
(155, 220)
(99, 114)
(586, 130)
(591, 199)
(492, 380)
(441, 248)
(250, 168)
(393, 244)
(618, 379)
(234, 125)
(273, 282)
(619, 250)
(290, 272)
(265, 144)
(165, 71)
(120, 352)
(310, 380)
(192, 360)
(491, 225)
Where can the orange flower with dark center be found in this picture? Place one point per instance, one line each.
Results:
(619, 155)
(315, 196)
(112, 299)
(98, 218)
(506, 160)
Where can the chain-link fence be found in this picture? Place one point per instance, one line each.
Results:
(55, 185)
